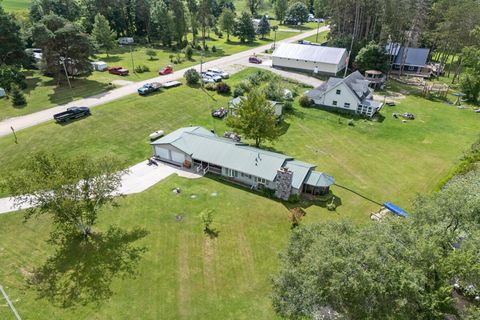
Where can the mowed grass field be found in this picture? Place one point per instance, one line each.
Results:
(183, 274)
(13, 5)
(43, 92)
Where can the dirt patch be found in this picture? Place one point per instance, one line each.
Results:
(209, 245)
(121, 83)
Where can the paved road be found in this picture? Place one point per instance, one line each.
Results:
(139, 178)
(19, 123)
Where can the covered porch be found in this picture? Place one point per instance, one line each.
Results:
(317, 184)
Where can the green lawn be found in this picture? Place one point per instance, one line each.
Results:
(43, 92)
(384, 161)
(13, 5)
(182, 275)
(322, 37)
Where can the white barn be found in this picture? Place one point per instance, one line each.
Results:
(311, 58)
(351, 94)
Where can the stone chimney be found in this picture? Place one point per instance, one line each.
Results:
(284, 183)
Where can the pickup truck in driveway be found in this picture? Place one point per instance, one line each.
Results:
(118, 71)
(71, 113)
(149, 88)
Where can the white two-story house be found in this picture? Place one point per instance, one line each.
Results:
(351, 94)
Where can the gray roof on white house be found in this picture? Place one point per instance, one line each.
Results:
(205, 146)
(328, 55)
(319, 179)
(355, 81)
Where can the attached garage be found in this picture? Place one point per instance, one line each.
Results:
(310, 58)
(162, 153)
(177, 157)
(169, 154)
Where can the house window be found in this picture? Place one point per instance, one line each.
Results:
(346, 105)
(260, 180)
(232, 173)
(334, 102)
(339, 91)
(411, 68)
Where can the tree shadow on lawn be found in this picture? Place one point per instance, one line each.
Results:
(81, 88)
(81, 272)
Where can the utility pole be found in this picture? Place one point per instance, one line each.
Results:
(131, 55)
(274, 28)
(318, 28)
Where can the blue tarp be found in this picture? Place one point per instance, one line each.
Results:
(395, 209)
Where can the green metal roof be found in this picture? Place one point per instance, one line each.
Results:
(319, 179)
(205, 146)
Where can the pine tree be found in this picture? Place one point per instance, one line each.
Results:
(263, 27)
(18, 98)
(103, 36)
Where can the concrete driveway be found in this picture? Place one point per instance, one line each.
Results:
(227, 63)
(139, 178)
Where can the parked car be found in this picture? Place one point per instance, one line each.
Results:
(166, 70)
(149, 88)
(118, 71)
(212, 75)
(304, 42)
(155, 135)
(219, 113)
(255, 59)
(232, 135)
(219, 72)
(207, 80)
(71, 113)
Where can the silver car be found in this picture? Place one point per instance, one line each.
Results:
(219, 72)
(212, 75)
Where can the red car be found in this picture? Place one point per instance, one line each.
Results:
(166, 70)
(254, 59)
(118, 71)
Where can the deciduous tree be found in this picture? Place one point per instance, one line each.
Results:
(372, 56)
(255, 118)
(244, 28)
(227, 22)
(281, 7)
(297, 12)
(71, 190)
(12, 47)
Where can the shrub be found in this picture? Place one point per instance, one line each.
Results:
(214, 49)
(188, 52)
(223, 88)
(273, 91)
(294, 198)
(151, 53)
(205, 47)
(350, 122)
(259, 77)
(269, 193)
(18, 98)
(288, 106)
(332, 206)
(238, 92)
(245, 86)
(141, 68)
(192, 76)
(11, 75)
(211, 87)
(305, 101)
(199, 47)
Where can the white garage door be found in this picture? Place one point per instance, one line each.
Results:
(178, 157)
(162, 153)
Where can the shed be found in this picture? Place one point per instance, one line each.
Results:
(2, 93)
(326, 60)
(99, 65)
